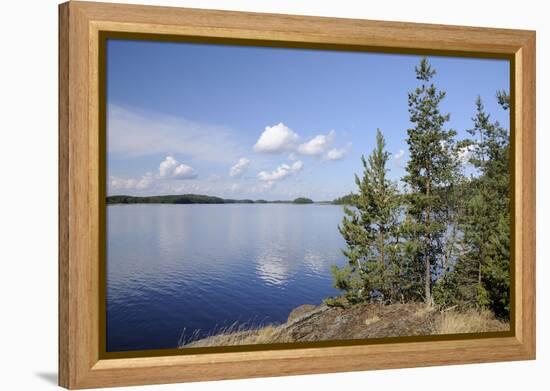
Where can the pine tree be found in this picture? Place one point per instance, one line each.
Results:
(486, 224)
(497, 272)
(481, 275)
(431, 172)
(369, 228)
(476, 220)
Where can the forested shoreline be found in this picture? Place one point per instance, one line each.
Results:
(196, 199)
(444, 237)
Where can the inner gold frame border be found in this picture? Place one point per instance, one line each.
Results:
(83, 30)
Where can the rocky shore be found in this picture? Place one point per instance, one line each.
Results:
(308, 323)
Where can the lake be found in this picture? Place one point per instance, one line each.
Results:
(198, 268)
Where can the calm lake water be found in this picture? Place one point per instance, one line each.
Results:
(202, 267)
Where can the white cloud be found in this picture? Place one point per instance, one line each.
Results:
(280, 138)
(337, 153)
(170, 167)
(317, 145)
(320, 147)
(117, 183)
(281, 172)
(167, 166)
(131, 184)
(465, 153)
(297, 166)
(183, 171)
(399, 155)
(170, 170)
(145, 182)
(276, 139)
(240, 167)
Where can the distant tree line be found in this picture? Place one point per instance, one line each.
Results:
(302, 200)
(165, 199)
(195, 199)
(445, 238)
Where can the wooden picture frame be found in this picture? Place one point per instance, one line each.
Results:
(81, 192)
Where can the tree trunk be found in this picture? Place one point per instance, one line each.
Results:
(479, 273)
(428, 278)
(382, 262)
(428, 275)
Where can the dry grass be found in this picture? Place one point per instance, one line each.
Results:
(241, 335)
(423, 310)
(453, 322)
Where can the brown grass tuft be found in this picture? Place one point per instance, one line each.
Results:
(453, 322)
(423, 310)
(241, 336)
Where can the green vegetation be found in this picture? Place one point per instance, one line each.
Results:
(166, 199)
(431, 171)
(349, 199)
(368, 230)
(481, 274)
(446, 239)
(195, 199)
(228, 201)
(302, 200)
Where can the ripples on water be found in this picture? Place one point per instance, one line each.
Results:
(202, 267)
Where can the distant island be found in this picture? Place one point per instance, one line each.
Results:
(200, 199)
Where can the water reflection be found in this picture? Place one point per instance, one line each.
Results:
(198, 266)
(272, 269)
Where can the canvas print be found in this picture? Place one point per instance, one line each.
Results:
(262, 195)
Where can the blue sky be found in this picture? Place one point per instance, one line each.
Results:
(269, 123)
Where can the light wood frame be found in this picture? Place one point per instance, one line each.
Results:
(80, 23)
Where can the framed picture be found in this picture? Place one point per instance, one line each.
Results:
(247, 195)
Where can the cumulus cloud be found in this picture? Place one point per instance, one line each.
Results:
(276, 139)
(171, 168)
(131, 184)
(465, 153)
(117, 183)
(167, 166)
(240, 167)
(337, 153)
(280, 138)
(317, 145)
(145, 182)
(281, 172)
(183, 171)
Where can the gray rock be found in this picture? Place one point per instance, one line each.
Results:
(299, 311)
